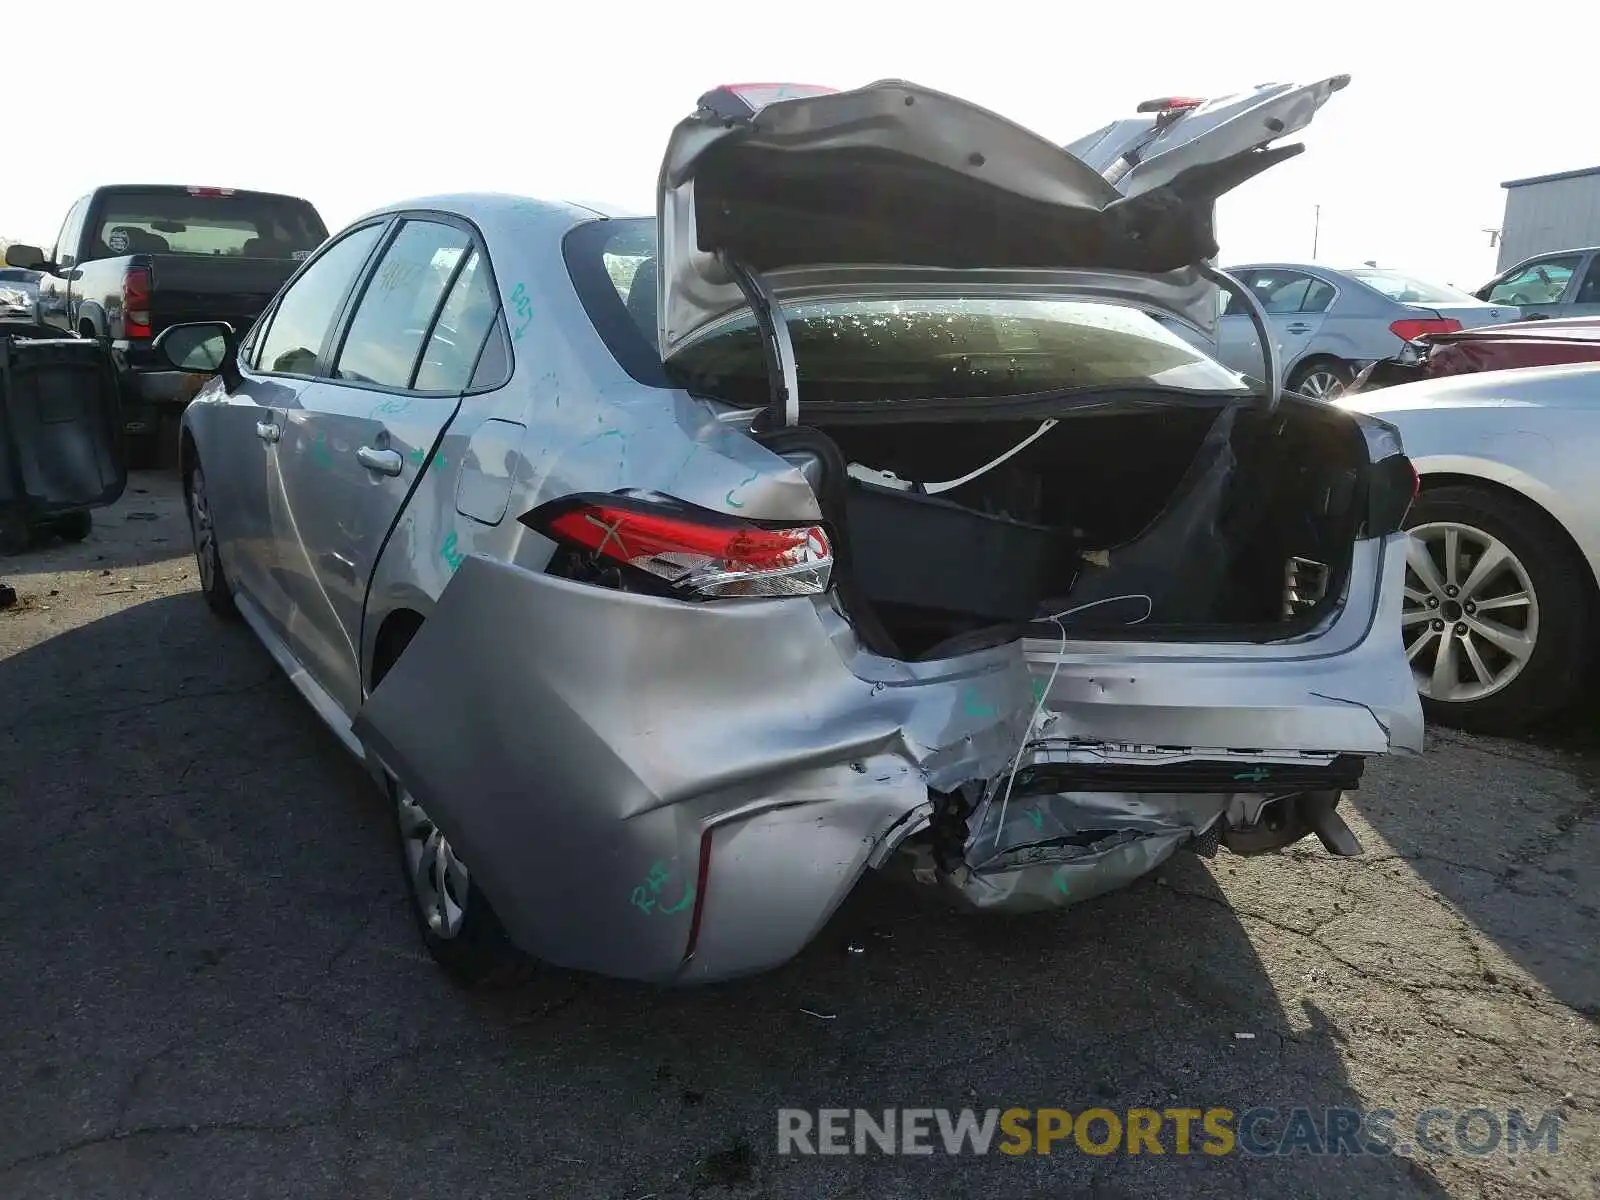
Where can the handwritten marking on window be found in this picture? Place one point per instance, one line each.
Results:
(647, 896)
(1036, 817)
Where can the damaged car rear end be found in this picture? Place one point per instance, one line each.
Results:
(903, 527)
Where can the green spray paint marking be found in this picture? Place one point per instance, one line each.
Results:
(1061, 881)
(450, 553)
(731, 502)
(420, 456)
(1258, 775)
(319, 450)
(1036, 817)
(1039, 686)
(972, 704)
(647, 896)
(523, 306)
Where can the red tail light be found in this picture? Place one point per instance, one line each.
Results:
(1410, 330)
(694, 551)
(136, 303)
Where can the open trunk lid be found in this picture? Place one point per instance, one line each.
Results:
(770, 194)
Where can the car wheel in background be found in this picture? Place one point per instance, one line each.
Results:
(73, 527)
(213, 583)
(1321, 379)
(1496, 619)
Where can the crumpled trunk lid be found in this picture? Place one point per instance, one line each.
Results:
(896, 189)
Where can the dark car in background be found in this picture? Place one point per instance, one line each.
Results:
(130, 260)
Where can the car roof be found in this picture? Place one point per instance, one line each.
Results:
(490, 208)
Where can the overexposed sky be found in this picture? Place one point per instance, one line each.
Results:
(357, 105)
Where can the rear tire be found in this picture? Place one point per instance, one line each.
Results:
(1321, 379)
(1543, 594)
(458, 925)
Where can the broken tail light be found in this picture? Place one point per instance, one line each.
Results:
(1410, 330)
(1395, 484)
(693, 551)
(136, 303)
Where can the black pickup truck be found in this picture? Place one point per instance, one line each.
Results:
(131, 260)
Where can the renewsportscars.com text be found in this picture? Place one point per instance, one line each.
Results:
(1471, 1132)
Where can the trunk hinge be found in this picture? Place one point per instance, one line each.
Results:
(1258, 318)
(783, 376)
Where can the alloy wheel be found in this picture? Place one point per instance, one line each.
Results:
(439, 880)
(1321, 385)
(1470, 618)
(200, 526)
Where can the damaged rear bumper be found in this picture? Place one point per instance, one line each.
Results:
(680, 792)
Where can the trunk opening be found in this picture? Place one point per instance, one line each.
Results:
(1174, 521)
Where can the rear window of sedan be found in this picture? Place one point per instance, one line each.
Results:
(973, 346)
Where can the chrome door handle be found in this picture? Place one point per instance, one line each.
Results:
(268, 431)
(385, 462)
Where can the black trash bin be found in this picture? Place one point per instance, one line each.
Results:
(61, 452)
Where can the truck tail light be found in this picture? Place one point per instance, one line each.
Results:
(1410, 330)
(1169, 104)
(136, 302)
(695, 552)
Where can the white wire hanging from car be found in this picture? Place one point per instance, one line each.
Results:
(889, 479)
(1057, 620)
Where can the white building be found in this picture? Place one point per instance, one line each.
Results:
(1549, 212)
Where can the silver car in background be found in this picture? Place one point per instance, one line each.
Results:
(1330, 324)
(670, 574)
(19, 294)
(1559, 284)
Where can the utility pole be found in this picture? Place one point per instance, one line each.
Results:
(1316, 231)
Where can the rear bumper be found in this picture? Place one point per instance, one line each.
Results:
(686, 792)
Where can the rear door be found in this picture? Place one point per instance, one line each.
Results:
(1296, 305)
(363, 432)
(243, 460)
(1538, 286)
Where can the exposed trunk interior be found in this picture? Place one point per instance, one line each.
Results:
(1216, 522)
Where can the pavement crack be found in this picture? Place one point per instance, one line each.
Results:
(142, 1131)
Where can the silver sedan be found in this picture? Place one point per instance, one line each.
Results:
(670, 574)
(1501, 586)
(1329, 324)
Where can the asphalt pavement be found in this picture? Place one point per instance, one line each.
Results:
(212, 989)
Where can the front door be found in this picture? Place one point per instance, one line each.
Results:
(354, 447)
(277, 363)
(1537, 287)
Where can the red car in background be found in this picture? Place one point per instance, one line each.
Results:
(1536, 343)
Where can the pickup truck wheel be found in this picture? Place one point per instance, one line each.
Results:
(73, 527)
(1497, 618)
(213, 583)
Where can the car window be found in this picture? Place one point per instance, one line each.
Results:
(397, 307)
(468, 312)
(65, 253)
(1542, 282)
(1406, 289)
(305, 312)
(1589, 289)
(1280, 292)
(205, 221)
(1318, 296)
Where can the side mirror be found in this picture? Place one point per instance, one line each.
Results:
(201, 347)
(29, 258)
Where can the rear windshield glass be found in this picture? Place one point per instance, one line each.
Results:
(977, 346)
(243, 224)
(1407, 290)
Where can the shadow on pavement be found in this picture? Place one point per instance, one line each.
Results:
(216, 991)
(148, 524)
